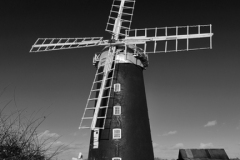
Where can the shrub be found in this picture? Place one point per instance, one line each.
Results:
(19, 139)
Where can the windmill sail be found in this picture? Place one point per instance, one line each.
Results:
(49, 44)
(120, 17)
(170, 39)
(95, 112)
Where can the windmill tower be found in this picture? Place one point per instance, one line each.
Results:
(116, 110)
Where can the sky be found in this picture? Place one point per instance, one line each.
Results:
(193, 97)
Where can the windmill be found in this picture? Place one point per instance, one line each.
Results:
(116, 110)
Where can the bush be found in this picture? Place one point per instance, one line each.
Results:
(19, 139)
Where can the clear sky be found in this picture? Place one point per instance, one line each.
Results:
(193, 97)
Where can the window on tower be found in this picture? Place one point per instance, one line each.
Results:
(116, 158)
(117, 110)
(117, 87)
(117, 133)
